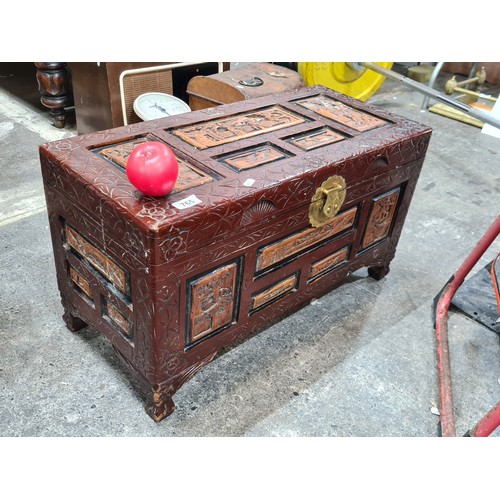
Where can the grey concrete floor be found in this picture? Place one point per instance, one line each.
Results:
(359, 361)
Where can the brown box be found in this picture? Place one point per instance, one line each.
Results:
(247, 82)
(279, 198)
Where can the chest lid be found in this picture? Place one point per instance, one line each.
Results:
(263, 155)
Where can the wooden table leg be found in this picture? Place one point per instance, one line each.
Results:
(55, 89)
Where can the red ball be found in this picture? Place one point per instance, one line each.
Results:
(152, 168)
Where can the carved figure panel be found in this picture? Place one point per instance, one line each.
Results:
(118, 320)
(189, 175)
(254, 157)
(111, 271)
(222, 131)
(213, 302)
(80, 282)
(303, 240)
(328, 263)
(341, 113)
(274, 292)
(315, 139)
(119, 153)
(381, 215)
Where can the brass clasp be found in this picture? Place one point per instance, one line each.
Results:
(327, 201)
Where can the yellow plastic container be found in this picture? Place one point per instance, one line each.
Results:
(350, 79)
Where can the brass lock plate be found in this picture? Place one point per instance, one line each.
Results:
(327, 201)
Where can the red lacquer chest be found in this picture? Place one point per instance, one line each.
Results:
(278, 199)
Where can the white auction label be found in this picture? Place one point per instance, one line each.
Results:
(190, 201)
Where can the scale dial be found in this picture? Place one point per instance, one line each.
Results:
(154, 105)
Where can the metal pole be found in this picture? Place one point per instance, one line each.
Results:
(432, 80)
(476, 94)
(483, 116)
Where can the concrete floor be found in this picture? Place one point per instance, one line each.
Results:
(359, 361)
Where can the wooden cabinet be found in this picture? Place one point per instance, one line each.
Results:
(98, 96)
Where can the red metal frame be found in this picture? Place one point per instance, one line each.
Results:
(492, 419)
(487, 424)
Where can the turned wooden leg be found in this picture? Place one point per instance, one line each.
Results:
(55, 89)
(378, 272)
(159, 404)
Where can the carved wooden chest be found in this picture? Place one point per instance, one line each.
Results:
(279, 198)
